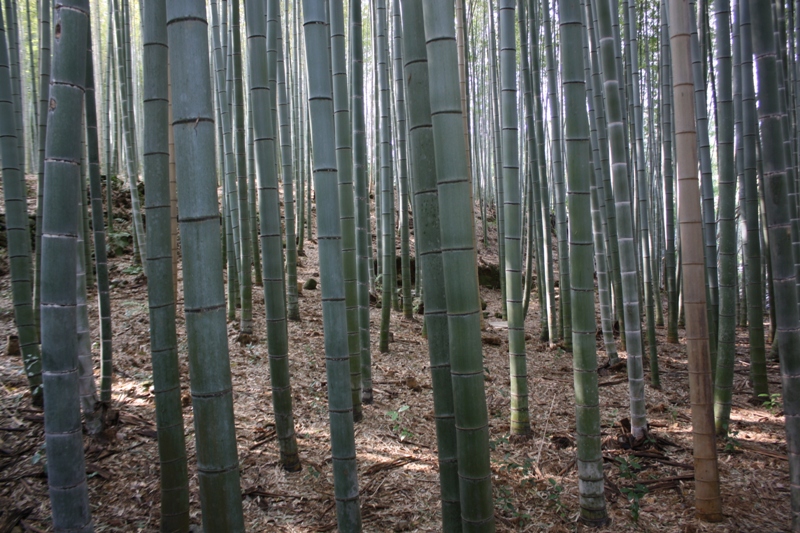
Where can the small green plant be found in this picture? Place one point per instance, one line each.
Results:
(504, 502)
(629, 468)
(509, 466)
(311, 472)
(118, 242)
(494, 443)
(673, 413)
(133, 270)
(732, 444)
(554, 497)
(634, 495)
(772, 402)
(397, 426)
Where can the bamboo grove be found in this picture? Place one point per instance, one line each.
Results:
(638, 159)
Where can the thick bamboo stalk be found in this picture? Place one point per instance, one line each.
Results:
(18, 232)
(428, 241)
(340, 407)
(386, 175)
(269, 206)
(160, 288)
(363, 238)
(60, 226)
(99, 234)
(755, 273)
(344, 164)
(598, 220)
(628, 266)
(520, 419)
(778, 213)
(204, 298)
(284, 130)
(584, 326)
(459, 260)
(557, 165)
(245, 260)
(708, 503)
(726, 338)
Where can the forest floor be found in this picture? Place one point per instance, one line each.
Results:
(534, 480)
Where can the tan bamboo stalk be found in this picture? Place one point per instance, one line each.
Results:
(708, 503)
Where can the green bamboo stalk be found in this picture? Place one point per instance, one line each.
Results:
(428, 241)
(627, 255)
(789, 156)
(129, 128)
(707, 188)
(608, 208)
(641, 184)
(204, 298)
(12, 32)
(18, 231)
(101, 263)
(667, 171)
(230, 198)
(344, 164)
(252, 197)
(284, 126)
(727, 224)
(497, 154)
(34, 97)
(340, 408)
(402, 190)
(87, 387)
(60, 227)
(598, 220)
(545, 242)
(160, 290)
(298, 131)
(755, 274)
(533, 209)
(520, 419)
(361, 195)
(459, 261)
(44, 91)
(269, 200)
(565, 308)
(778, 213)
(582, 316)
(386, 174)
(245, 260)
(230, 256)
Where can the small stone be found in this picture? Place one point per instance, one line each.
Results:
(489, 338)
(12, 345)
(310, 284)
(411, 383)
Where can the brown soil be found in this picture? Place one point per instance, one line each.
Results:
(535, 480)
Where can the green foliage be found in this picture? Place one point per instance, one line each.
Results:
(133, 270)
(396, 417)
(504, 502)
(772, 402)
(554, 497)
(732, 444)
(494, 443)
(634, 495)
(118, 242)
(629, 468)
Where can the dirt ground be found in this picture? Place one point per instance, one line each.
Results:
(535, 480)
